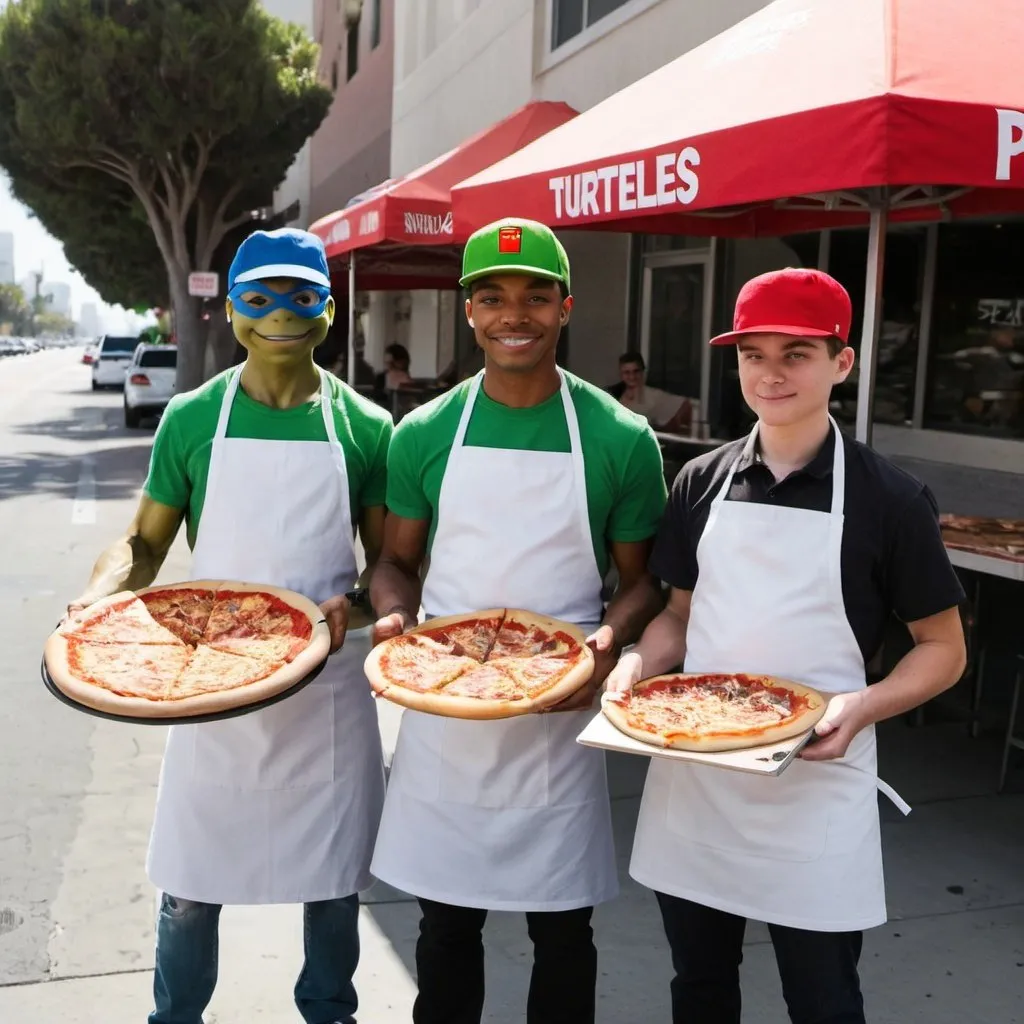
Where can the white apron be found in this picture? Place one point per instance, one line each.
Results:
(803, 849)
(280, 805)
(512, 814)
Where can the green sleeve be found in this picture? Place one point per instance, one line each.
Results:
(376, 487)
(642, 494)
(168, 481)
(406, 495)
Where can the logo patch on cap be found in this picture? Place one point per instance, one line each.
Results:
(510, 240)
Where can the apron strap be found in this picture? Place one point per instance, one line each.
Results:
(467, 411)
(225, 407)
(838, 471)
(578, 467)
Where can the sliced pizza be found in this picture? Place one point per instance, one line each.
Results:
(490, 664)
(183, 609)
(121, 618)
(210, 670)
(128, 670)
(184, 650)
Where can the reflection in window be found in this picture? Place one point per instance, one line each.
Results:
(975, 380)
(570, 17)
(901, 314)
(676, 329)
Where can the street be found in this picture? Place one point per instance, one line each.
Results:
(76, 797)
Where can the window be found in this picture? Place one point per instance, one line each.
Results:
(352, 50)
(570, 17)
(375, 25)
(165, 357)
(975, 382)
(902, 284)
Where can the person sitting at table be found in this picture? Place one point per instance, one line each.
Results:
(395, 374)
(662, 410)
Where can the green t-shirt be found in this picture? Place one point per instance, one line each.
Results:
(622, 462)
(180, 461)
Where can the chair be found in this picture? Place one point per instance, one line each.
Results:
(1012, 739)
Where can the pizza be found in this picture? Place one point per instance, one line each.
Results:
(714, 712)
(186, 649)
(496, 663)
(999, 538)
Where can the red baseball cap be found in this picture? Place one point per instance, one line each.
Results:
(804, 303)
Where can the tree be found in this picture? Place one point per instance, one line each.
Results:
(15, 311)
(53, 323)
(193, 108)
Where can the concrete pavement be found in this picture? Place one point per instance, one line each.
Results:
(76, 798)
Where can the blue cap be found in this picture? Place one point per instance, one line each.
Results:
(286, 252)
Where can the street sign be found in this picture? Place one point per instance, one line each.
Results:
(204, 284)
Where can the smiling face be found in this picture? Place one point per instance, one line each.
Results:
(787, 381)
(517, 320)
(632, 375)
(280, 335)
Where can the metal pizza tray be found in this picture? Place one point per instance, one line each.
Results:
(771, 759)
(218, 716)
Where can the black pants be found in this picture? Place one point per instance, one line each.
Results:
(818, 969)
(450, 966)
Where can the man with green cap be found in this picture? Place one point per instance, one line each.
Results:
(522, 486)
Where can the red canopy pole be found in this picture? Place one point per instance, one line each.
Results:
(872, 320)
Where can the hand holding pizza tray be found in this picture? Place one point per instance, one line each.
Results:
(750, 723)
(191, 652)
(496, 663)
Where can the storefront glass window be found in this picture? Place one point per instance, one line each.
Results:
(901, 314)
(975, 380)
(674, 243)
(676, 329)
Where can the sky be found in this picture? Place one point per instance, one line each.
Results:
(36, 249)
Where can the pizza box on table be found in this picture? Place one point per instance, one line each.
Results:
(771, 759)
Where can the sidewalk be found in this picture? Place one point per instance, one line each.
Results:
(952, 953)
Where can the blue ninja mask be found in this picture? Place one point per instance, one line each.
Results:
(279, 300)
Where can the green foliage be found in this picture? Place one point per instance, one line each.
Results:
(15, 311)
(186, 113)
(53, 323)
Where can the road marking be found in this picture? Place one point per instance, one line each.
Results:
(83, 511)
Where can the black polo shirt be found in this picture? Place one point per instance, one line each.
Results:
(893, 559)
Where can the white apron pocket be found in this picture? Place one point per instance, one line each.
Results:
(496, 764)
(782, 818)
(289, 745)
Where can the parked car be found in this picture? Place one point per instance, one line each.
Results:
(149, 382)
(111, 359)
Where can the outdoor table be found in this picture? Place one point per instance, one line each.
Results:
(984, 560)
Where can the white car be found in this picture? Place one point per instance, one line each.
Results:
(110, 360)
(149, 382)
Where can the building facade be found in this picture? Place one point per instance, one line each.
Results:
(57, 297)
(292, 196)
(6, 257)
(351, 151)
(950, 384)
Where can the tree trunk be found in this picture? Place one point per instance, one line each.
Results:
(190, 333)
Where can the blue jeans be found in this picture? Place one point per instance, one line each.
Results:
(186, 961)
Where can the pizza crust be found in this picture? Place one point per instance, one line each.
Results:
(454, 706)
(55, 657)
(618, 714)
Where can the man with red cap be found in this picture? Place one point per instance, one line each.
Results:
(786, 553)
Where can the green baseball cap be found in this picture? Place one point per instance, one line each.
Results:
(514, 246)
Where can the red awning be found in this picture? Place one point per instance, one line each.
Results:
(816, 99)
(415, 210)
